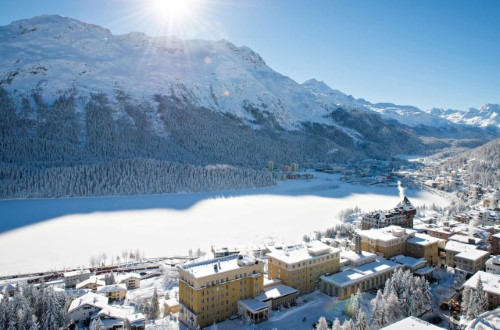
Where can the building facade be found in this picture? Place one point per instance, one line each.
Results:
(300, 266)
(493, 265)
(81, 309)
(423, 246)
(495, 244)
(471, 261)
(454, 248)
(362, 278)
(71, 279)
(131, 280)
(91, 284)
(209, 291)
(402, 215)
(386, 242)
(113, 291)
(490, 286)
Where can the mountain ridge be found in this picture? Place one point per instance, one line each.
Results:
(76, 98)
(76, 44)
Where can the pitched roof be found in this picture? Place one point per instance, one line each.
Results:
(92, 280)
(112, 288)
(91, 299)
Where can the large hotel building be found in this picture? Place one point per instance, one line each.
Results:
(300, 266)
(402, 215)
(209, 291)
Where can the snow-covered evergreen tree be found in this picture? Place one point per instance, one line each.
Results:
(12, 315)
(466, 294)
(336, 324)
(362, 322)
(481, 297)
(378, 310)
(12, 325)
(388, 288)
(392, 308)
(154, 310)
(52, 313)
(4, 310)
(354, 305)
(348, 325)
(33, 323)
(97, 325)
(322, 324)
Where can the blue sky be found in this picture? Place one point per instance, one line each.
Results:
(420, 52)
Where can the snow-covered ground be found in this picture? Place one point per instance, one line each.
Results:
(318, 304)
(38, 235)
(486, 321)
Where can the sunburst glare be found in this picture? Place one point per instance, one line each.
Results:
(173, 11)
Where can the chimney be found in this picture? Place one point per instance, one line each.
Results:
(357, 244)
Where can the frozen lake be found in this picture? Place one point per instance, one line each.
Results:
(46, 234)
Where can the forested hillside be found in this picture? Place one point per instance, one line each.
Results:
(76, 99)
(482, 164)
(117, 146)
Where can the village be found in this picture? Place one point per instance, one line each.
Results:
(453, 260)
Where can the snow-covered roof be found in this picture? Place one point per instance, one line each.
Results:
(219, 249)
(409, 261)
(77, 272)
(119, 313)
(301, 252)
(90, 298)
(172, 302)
(276, 291)
(387, 233)
(405, 204)
(424, 270)
(9, 287)
(355, 274)
(458, 246)
(92, 280)
(218, 265)
(465, 239)
(356, 257)
(412, 323)
(253, 305)
(491, 282)
(112, 288)
(124, 277)
(136, 318)
(472, 254)
(271, 281)
(75, 292)
(494, 260)
(423, 239)
(114, 312)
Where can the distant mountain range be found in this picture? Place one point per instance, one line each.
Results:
(487, 116)
(73, 93)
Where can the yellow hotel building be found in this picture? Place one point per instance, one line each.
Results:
(209, 291)
(300, 266)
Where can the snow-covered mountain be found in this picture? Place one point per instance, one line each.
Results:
(49, 56)
(81, 105)
(54, 54)
(487, 115)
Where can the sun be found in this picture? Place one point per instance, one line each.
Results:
(173, 11)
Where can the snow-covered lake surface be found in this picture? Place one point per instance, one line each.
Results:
(47, 234)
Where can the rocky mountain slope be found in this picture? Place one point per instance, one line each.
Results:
(74, 95)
